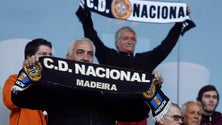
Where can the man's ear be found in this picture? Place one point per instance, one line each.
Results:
(160, 122)
(198, 102)
(28, 56)
(117, 44)
(67, 56)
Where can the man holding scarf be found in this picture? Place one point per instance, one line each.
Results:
(125, 41)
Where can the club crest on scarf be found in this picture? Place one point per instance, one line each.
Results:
(151, 92)
(121, 9)
(34, 72)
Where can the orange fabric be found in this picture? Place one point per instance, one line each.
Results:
(20, 116)
(143, 122)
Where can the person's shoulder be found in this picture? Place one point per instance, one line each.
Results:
(219, 120)
(218, 114)
(13, 76)
(11, 79)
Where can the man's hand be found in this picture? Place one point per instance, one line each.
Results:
(155, 86)
(84, 16)
(30, 73)
(158, 79)
(33, 68)
(31, 61)
(188, 10)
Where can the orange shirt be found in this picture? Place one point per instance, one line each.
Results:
(20, 116)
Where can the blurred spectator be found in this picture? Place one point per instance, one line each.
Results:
(191, 112)
(208, 96)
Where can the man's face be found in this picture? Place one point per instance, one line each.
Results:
(83, 52)
(209, 102)
(173, 117)
(192, 114)
(43, 50)
(127, 42)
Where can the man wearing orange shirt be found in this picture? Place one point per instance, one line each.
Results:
(24, 116)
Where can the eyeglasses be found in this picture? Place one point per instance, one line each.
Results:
(176, 117)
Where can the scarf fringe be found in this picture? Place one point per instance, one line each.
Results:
(163, 113)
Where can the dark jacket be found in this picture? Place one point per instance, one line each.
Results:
(130, 108)
(66, 106)
(215, 119)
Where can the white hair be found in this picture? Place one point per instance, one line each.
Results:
(72, 45)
